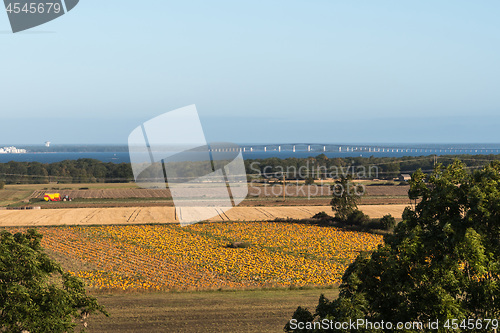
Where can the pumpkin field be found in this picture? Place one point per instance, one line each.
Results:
(169, 257)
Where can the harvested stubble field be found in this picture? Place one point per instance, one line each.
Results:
(256, 311)
(249, 202)
(144, 215)
(169, 257)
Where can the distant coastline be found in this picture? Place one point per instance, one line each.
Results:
(120, 154)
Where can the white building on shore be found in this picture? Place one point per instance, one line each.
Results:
(12, 150)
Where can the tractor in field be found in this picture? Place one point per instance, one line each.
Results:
(56, 197)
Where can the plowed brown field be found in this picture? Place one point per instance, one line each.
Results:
(254, 191)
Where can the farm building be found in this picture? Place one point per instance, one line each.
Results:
(404, 177)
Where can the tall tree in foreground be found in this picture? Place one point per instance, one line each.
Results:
(441, 263)
(35, 294)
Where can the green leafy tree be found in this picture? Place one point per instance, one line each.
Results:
(442, 262)
(345, 198)
(35, 294)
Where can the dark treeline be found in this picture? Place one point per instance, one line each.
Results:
(92, 171)
(69, 171)
(359, 167)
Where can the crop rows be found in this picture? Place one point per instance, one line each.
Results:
(168, 257)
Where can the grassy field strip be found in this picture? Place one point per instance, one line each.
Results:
(232, 312)
(8, 196)
(122, 215)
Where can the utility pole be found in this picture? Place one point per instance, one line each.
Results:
(284, 187)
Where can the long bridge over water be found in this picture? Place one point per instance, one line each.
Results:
(336, 148)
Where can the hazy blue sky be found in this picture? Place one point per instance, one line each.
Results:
(280, 71)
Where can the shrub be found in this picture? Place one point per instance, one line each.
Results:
(357, 218)
(322, 219)
(373, 224)
(301, 315)
(309, 181)
(322, 216)
(388, 222)
(2, 185)
(238, 245)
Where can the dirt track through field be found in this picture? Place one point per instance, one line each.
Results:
(142, 215)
